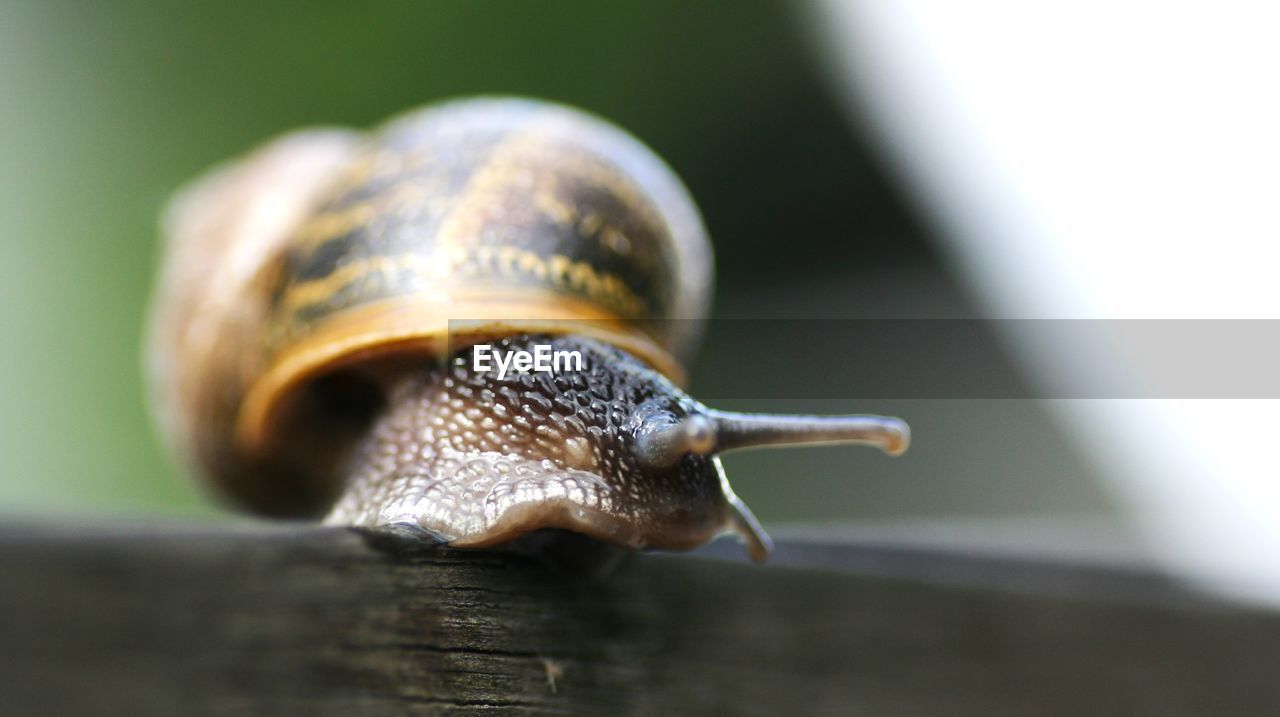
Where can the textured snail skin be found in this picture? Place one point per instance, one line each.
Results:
(478, 460)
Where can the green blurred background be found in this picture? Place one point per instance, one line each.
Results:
(107, 107)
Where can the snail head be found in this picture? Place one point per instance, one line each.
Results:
(610, 449)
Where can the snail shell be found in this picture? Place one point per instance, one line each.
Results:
(312, 326)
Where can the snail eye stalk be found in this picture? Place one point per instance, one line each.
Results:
(720, 431)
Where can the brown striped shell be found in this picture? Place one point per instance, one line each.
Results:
(328, 262)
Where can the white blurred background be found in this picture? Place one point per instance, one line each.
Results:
(1093, 160)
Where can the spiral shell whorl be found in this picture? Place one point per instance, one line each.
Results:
(512, 214)
(487, 198)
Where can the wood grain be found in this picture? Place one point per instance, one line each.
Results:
(293, 620)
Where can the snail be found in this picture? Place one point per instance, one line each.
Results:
(321, 302)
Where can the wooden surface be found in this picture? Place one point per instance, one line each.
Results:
(327, 621)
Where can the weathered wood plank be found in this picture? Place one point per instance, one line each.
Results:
(327, 621)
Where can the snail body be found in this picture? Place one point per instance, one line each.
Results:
(320, 300)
